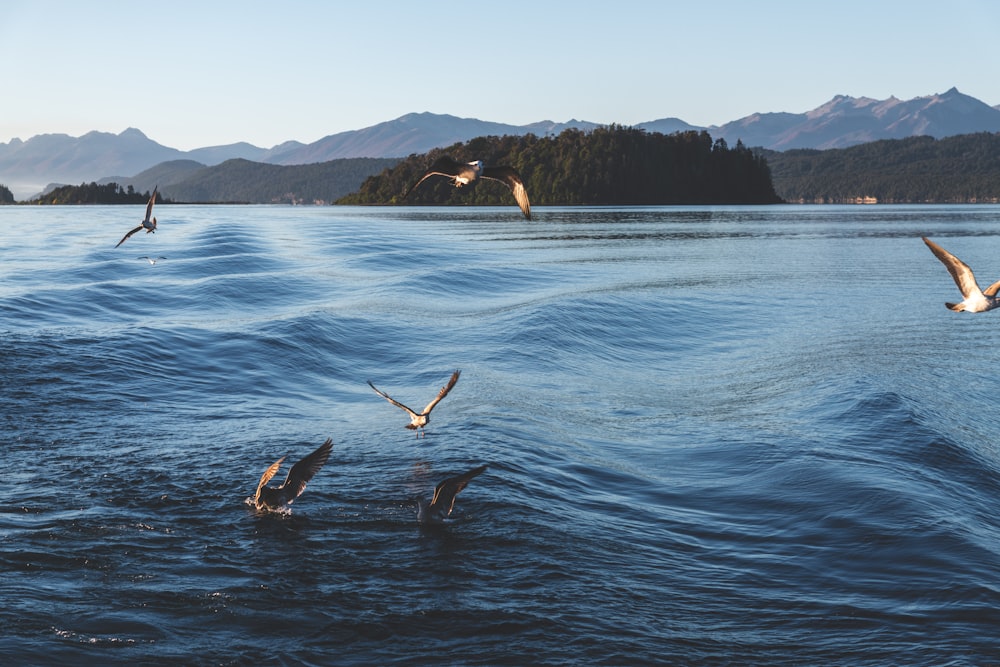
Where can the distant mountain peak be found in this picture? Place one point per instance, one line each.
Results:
(842, 121)
(846, 121)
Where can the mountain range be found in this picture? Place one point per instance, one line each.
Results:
(26, 167)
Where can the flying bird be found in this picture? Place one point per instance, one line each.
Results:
(149, 224)
(440, 506)
(463, 173)
(151, 260)
(419, 420)
(273, 498)
(974, 300)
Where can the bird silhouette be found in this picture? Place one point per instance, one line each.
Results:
(440, 506)
(149, 224)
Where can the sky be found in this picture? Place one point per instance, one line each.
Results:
(209, 73)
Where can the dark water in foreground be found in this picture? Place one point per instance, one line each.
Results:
(714, 435)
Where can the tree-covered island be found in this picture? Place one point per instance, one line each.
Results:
(94, 193)
(612, 165)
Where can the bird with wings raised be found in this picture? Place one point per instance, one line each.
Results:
(149, 223)
(418, 420)
(440, 506)
(276, 497)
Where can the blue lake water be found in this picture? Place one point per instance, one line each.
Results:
(738, 435)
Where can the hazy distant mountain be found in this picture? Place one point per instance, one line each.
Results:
(668, 126)
(218, 154)
(163, 174)
(27, 165)
(60, 158)
(245, 181)
(412, 133)
(841, 122)
(847, 121)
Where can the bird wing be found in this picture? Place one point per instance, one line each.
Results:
(443, 166)
(125, 238)
(992, 289)
(266, 477)
(958, 269)
(445, 492)
(443, 392)
(513, 180)
(149, 206)
(391, 399)
(304, 470)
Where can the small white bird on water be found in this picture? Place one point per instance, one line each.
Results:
(418, 420)
(440, 506)
(463, 173)
(275, 498)
(975, 300)
(149, 224)
(151, 260)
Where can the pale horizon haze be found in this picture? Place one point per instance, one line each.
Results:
(192, 75)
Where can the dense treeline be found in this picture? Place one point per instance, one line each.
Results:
(6, 196)
(235, 181)
(609, 165)
(245, 181)
(959, 169)
(93, 193)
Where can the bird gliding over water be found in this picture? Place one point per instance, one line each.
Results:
(440, 506)
(273, 498)
(148, 224)
(462, 173)
(974, 300)
(419, 420)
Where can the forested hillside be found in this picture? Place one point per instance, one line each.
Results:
(94, 193)
(958, 169)
(243, 181)
(610, 165)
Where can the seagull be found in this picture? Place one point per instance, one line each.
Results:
(273, 498)
(440, 506)
(151, 260)
(975, 300)
(419, 420)
(463, 173)
(149, 224)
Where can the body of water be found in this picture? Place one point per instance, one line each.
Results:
(738, 435)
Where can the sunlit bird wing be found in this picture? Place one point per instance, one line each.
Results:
(149, 206)
(958, 269)
(512, 179)
(266, 477)
(443, 392)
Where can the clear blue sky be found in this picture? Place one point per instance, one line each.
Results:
(193, 74)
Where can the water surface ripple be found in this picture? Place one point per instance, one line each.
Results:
(737, 435)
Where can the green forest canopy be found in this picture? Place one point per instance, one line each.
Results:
(608, 165)
(959, 169)
(92, 193)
